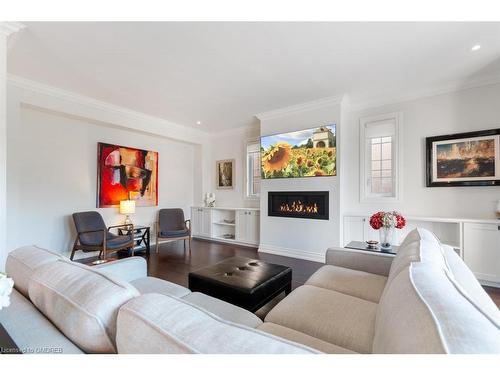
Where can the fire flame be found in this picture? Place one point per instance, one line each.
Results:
(299, 207)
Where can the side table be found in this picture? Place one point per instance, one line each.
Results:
(142, 237)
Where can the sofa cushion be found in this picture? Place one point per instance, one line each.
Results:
(420, 245)
(154, 285)
(404, 324)
(156, 323)
(224, 310)
(82, 302)
(22, 262)
(465, 279)
(304, 339)
(359, 284)
(464, 328)
(31, 331)
(328, 315)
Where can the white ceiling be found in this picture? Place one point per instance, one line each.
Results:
(224, 73)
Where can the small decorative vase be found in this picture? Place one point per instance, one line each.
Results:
(386, 236)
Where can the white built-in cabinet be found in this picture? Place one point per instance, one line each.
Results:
(201, 221)
(233, 225)
(476, 241)
(247, 226)
(482, 250)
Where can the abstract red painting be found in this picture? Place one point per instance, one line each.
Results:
(126, 173)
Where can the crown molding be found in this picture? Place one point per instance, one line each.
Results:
(254, 127)
(303, 107)
(456, 86)
(7, 28)
(163, 126)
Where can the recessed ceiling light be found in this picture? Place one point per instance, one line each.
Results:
(476, 47)
(198, 122)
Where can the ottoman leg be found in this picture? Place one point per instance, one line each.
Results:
(288, 289)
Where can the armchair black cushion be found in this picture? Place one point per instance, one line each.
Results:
(172, 225)
(175, 233)
(171, 220)
(91, 229)
(90, 221)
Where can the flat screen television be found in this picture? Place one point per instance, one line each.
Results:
(305, 153)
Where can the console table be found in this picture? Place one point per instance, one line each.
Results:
(360, 245)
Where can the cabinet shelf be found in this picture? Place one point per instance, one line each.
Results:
(212, 222)
(226, 224)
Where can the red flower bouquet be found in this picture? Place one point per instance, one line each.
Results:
(386, 222)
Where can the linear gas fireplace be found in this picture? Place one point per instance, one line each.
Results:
(301, 204)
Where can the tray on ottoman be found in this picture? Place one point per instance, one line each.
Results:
(244, 282)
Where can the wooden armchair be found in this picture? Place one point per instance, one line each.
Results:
(171, 226)
(93, 235)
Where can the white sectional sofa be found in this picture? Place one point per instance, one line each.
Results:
(424, 300)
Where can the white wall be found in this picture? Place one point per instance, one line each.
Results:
(461, 111)
(301, 238)
(3, 148)
(52, 169)
(231, 145)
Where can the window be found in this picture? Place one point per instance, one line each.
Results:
(379, 164)
(253, 170)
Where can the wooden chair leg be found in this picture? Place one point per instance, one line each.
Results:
(184, 244)
(72, 253)
(189, 245)
(100, 254)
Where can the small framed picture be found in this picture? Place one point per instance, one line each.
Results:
(465, 159)
(225, 174)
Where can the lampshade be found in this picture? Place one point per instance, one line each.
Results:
(127, 207)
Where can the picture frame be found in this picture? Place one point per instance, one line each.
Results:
(225, 173)
(126, 173)
(463, 159)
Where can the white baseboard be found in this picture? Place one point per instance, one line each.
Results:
(292, 253)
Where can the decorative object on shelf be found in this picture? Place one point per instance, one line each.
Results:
(228, 236)
(229, 221)
(498, 210)
(464, 159)
(209, 199)
(306, 153)
(127, 208)
(125, 173)
(225, 174)
(6, 285)
(371, 244)
(385, 223)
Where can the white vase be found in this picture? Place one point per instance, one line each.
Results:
(386, 237)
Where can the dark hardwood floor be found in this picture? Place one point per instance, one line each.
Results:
(174, 264)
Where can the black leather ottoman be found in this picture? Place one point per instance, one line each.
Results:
(244, 282)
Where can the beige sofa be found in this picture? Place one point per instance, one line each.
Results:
(425, 300)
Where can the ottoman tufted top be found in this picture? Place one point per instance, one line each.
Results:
(242, 281)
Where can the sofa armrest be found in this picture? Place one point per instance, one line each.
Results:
(377, 263)
(127, 269)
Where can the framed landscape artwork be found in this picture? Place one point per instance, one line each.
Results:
(465, 159)
(304, 153)
(225, 174)
(126, 173)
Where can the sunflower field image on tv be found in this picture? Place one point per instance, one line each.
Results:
(304, 153)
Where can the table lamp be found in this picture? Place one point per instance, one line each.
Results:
(127, 208)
